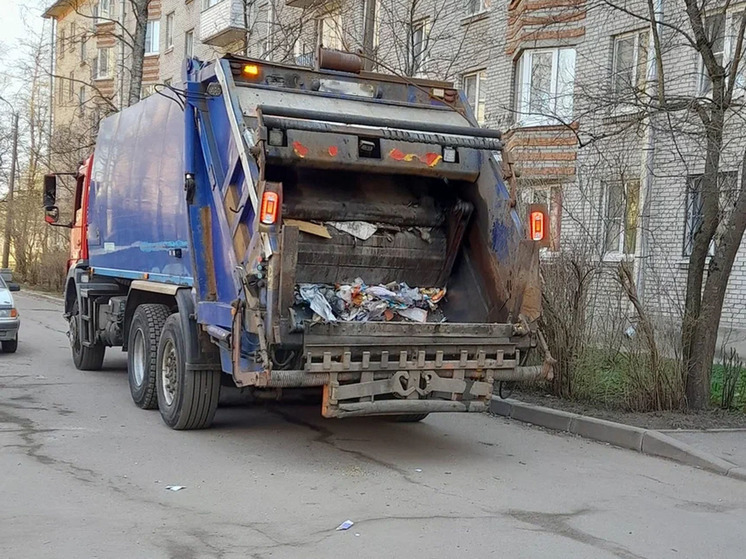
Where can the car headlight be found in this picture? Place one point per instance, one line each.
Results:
(8, 313)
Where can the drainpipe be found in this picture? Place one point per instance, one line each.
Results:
(648, 162)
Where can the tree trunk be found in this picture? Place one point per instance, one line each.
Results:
(704, 335)
(697, 385)
(140, 13)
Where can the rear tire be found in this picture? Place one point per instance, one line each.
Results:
(186, 399)
(409, 417)
(142, 353)
(10, 346)
(86, 358)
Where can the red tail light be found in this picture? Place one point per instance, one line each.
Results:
(270, 207)
(536, 220)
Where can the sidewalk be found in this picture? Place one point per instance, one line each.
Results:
(720, 451)
(726, 444)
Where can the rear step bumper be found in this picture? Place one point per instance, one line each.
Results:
(380, 368)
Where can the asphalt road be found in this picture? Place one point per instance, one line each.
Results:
(83, 474)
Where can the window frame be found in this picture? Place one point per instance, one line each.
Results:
(81, 99)
(480, 79)
(207, 4)
(420, 57)
(152, 37)
(704, 86)
(61, 44)
(524, 85)
(102, 16)
(170, 18)
(71, 86)
(621, 250)
(189, 43)
(481, 6)
(638, 81)
(336, 18)
(689, 228)
(97, 74)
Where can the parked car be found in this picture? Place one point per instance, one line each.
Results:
(9, 319)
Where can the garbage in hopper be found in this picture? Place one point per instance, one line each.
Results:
(357, 302)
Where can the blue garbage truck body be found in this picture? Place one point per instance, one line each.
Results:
(275, 227)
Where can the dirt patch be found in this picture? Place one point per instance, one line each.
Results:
(708, 419)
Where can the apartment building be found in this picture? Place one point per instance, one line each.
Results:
(565, 80)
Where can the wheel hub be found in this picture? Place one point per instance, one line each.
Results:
(169, 372)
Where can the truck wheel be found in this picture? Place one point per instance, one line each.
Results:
(85, 358)
(187, 399)
(10, 346)
(142, 353)
(409, 417)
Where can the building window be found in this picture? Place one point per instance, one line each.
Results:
(622, 210)
(152, 36)
(61, 45)
(544, 86)
(474, 7)
(83, 48)
(727, 186)
(189, 43)
(71, 86)
(102, 64)
(474, 88)
(72, 36)
(81, 99)
(330, 31)
(170, 31)
(722, 30)
(210, 3)
(629, 65)
(420, 40)
(265, 18)
(302, 53)
(102, 11)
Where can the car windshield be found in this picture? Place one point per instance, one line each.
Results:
(2, 283)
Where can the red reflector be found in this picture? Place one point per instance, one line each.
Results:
(537, 226)
(270, 205)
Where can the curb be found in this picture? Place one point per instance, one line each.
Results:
(645, 441)
(41, 295)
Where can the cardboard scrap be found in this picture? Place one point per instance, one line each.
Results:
(308, 227)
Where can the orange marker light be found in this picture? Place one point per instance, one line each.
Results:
(537, 226)
(270, 206)
(251, 70)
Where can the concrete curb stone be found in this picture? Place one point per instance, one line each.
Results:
(41, 295)
(645, 441)
(625, 436)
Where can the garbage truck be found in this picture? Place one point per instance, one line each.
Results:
(276, 227)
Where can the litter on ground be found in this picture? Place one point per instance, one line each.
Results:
(346, 525)
(358, 302)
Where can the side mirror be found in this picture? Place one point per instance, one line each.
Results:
(51, 214)
(14, 287)
(50, 191)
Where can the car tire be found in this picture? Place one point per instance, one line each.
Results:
(142, 353)
(86, 358)
(187, 398)
(10, 346)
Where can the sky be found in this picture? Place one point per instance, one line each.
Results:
(19, 20)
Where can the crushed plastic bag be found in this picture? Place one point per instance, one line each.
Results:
(312, 295)
(359, 302)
